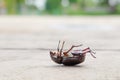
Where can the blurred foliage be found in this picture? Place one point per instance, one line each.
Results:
(55, 7)
(104, 2)
(73, 1)
(13, 6)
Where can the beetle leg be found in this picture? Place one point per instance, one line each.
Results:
(62, 48)
(58, 46)
(66, 53)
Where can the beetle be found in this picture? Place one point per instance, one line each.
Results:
(78, 56)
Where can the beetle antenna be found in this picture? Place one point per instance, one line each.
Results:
(58, 46)
(62, 48)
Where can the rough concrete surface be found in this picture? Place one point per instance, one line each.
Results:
(25, 42)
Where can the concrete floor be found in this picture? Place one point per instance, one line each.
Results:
(25, 42)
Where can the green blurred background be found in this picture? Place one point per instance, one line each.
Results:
(59, 7)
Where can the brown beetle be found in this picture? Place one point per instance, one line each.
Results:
(62, 57)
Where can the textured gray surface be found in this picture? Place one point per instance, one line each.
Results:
(22, 37)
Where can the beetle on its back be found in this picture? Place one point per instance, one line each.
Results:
(78, 56)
